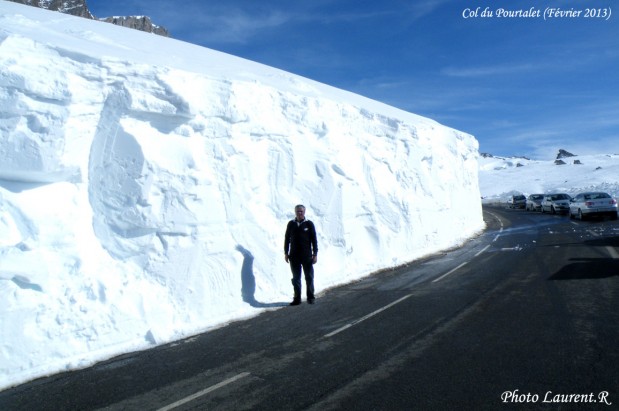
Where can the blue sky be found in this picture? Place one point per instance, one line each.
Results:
(521, 86)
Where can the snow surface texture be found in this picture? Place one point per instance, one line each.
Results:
(145, 185)
(501, 177)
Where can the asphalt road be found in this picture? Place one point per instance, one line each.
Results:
(525, 316)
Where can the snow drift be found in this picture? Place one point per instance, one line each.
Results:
(145, 185)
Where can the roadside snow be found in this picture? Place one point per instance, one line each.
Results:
(501, 177)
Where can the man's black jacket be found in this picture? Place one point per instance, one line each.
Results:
(300, 241)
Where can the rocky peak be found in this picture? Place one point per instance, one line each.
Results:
(73, 7)
(79, 8)
(141, 23)
(564, 154)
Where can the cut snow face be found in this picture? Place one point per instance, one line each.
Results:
(145, 186)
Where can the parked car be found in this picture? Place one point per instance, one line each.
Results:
(517, 201)
(594, 203)
(534, 202)
(556, 203)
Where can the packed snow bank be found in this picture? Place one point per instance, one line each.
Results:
(145, 185)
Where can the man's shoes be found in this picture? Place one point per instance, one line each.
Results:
(295, 302)
(311, 300)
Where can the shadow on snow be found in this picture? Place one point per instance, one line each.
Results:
(248, 281)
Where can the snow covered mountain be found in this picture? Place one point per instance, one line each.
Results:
(145, 184)
(80, 8)
(72, 7)
(500, 177)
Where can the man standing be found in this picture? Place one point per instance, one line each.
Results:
(301, 251)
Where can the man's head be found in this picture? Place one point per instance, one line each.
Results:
(299, 212)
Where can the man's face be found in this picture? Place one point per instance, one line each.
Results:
(300, 213)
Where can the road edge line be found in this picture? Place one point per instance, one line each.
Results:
(449, 272)
(372, 314)
(203, 392)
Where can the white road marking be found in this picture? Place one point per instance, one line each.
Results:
(613, 253)
(372, 314)
(497, 217)
(482, 250)
(611, 250)
(203, 392)
(449, 272)
(500, 222)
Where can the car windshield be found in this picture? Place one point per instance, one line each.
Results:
(596, 196)
(537, 197)
(559, 197)
(519, 197)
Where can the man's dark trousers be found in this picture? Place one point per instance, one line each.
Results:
(296, 264)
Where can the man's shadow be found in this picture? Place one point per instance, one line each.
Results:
(248, 281)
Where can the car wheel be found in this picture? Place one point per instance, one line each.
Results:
(581, 217)
(552, 210)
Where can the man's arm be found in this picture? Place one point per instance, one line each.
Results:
(314, 241)
(287, 242)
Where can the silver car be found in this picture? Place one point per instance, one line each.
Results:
(556, 203)
(594, 203)
(517, 201)
(534, 202)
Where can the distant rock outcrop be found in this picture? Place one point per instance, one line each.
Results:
(73, 7)
(142, 23)
(564, 154)
(488, 155)
(80, 9)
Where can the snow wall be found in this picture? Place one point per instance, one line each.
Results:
(143, 202)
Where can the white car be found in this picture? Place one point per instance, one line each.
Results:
(556, 203)
(593, 204)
